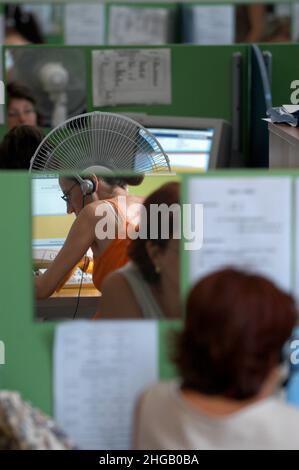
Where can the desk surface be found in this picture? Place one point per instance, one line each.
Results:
(286, 132)
(63, 304)
(283, 146)
(73, 292)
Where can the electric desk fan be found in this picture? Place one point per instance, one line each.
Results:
(100, 139)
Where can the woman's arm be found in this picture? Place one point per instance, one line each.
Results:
(117, 300)
(79, 239)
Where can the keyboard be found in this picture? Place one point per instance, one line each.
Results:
(75, 280)
(42, 257)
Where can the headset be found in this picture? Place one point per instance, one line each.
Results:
(87, 186)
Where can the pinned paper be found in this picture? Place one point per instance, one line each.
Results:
(214, 24)
(128, 25)
(131, 76)
(246, 224)
(84, 24)
(100, 369)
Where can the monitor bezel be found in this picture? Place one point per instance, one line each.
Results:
(186, 122)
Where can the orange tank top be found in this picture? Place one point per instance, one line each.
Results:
(114, 256)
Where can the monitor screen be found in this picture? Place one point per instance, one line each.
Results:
(193, 144)
(186, 148)
(46, 196)
(50, 222)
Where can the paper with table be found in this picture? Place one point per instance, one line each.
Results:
(129, 25)
(100, 368)
(131, 76)
(247, 223)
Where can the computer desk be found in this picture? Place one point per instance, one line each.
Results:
(283, 146)
(62, 304)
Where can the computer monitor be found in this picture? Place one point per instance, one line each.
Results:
(192, 144)
(50, 222)
(46, 195)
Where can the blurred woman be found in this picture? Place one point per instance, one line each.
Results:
(148, 286)
(21, 27)
(229, 356)
(21, 106)
(18, 147)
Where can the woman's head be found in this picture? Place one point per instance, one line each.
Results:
(21, 26)
(235, 328)
(18, 147)
(20, 106)
(81, 190)
(156, 252)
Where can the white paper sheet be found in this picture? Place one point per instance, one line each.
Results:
(296, 227)
(131, 76)
(129, 25)
(213, 24)
(84, 24)
(247, 223)
(99, 370)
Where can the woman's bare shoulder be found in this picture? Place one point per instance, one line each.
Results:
(135, 199)
(118, 299)
(94, 209)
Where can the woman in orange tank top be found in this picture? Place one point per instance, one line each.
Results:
(103, 217)
(115, 254)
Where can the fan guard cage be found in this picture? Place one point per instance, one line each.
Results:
(100, 139)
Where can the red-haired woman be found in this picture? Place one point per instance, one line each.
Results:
(229, 358)
(148, 286)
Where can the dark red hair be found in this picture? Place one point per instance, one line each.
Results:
(167, 194)
(235, 328)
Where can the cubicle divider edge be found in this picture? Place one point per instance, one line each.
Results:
(28, 343)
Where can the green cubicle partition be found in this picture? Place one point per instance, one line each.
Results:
(28, 344)
(201, 80)
(201, 83)
(285, 69)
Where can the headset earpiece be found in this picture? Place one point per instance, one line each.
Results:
(87, 186)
